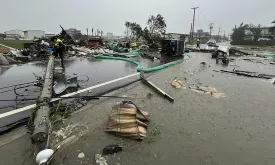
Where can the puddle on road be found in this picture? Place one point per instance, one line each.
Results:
(97, 70)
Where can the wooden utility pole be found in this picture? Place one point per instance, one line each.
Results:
(219, 34)
(211, 25)
(42, 119)
(190, 37)
(87, 35)
(194, 16)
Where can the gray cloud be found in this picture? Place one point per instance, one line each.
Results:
(110, 15)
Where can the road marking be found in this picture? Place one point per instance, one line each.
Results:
(67, 95)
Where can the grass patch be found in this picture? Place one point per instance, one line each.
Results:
(56, 114)
(62, 112)
(18, 44)
(33, 115)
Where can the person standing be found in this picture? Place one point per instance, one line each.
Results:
(59, 49)
(198, 43)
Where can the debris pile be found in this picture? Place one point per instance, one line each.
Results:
(128, 120)
(111, 149)
(7, 55)
(177, 84)
(84, 51)
(249, 74)
(99, 160)
(208, 90)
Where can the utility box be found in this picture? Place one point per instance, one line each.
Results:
(173, 47)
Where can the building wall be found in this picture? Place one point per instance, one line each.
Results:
(15, 32)
(266, 32)
(73, 31)
(49, 35)
(109, 36)
(31, 34)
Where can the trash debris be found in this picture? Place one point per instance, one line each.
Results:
(208, 90)
(249, 74)
(149, 95)
(177, 84)
(4, 49)
(99, 160)
(111, 149)
(272, 81)
(3, 60)
(61, 86)
(203, 63)
(46, 155)
(128, 120)
(150, 84)
(81, 155)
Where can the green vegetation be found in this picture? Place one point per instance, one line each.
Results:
(18, 44)
(33, 115)
(239, 34)
(61, 112)
(152, 33)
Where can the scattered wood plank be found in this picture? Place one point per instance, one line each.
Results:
(160, 91)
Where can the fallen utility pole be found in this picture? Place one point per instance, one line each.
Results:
(150, 84)
(42, 121)
(81, 97)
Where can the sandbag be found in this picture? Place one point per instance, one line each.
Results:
(3, 60)
(128, 120)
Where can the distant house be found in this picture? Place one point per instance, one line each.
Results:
(32, 34)
(12, 34)
(2, 36)
(267, 32)
(205, 36)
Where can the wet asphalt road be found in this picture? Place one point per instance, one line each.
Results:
(97, 71)
(196, 129)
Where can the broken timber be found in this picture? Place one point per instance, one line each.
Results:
(42, 121)
(249, 74)
(150, 84)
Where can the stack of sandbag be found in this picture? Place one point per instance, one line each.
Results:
(128, 120)
(3, 60)
(4, 49)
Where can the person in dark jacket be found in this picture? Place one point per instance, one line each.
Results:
(59, 49)
(198, 43)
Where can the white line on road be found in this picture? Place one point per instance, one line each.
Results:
(67, 95)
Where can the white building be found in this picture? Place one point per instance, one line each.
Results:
(110, 36)
(14, 33)
(49, 34)
(31, 34)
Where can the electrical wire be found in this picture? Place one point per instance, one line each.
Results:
(17, 85)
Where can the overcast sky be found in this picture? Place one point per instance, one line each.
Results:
(110, 15)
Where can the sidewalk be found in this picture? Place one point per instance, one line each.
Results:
(196, 129)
